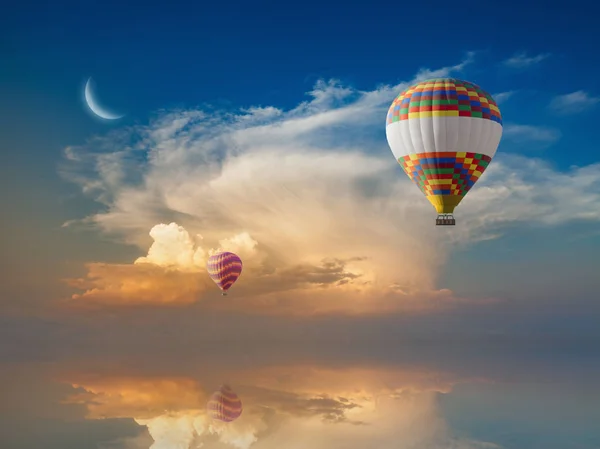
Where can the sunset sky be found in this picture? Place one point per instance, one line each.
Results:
(356, 321)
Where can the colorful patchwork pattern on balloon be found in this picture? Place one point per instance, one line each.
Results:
(443, 97)
(224, 405)
(224, 269)
(445, 173)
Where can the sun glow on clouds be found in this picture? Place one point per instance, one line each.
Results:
(322, 224)
(174, 248)
(295, 406)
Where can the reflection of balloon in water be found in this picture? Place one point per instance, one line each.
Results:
(224, 405)
(224, 268)
(444, 133)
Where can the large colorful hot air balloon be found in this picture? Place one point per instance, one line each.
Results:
(224, 405)
(224, 268)
(444, 133)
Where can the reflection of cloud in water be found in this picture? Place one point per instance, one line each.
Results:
(33, 415)
(285, 406)
(411, 419)
(158, 401)
(138, 397)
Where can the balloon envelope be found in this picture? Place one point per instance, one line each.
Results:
(444, 133)
(224, 268)
(224, 405)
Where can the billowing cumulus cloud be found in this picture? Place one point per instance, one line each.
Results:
(310, 198)
(172, 274)
(173, 247)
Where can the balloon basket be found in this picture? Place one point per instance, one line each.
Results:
(445, 220)
(223, 294)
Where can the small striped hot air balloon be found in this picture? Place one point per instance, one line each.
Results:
(224, 268)
(224, 405)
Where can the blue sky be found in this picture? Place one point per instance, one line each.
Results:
(185, 54)
(145, 58)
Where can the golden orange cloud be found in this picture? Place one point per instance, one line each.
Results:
(272, 282)
(119, 284)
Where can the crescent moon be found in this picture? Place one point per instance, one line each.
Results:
(95, 107)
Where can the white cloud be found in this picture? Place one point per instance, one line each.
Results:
(573, 103)
(527, 190)
(501, 97)
(173, 247)
(311, 195)
(529, 133)
(521, 60)
(425, 73)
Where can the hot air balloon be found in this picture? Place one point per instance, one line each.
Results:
(444, 133)
(224, 268)
(224, 405)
